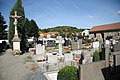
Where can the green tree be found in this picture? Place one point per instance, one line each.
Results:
(34, 29)
(3, 33)
(27, 27)
(31, 29)
(68, 73)
(20, 26)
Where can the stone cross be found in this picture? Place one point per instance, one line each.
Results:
(60, 41)
(15, 21)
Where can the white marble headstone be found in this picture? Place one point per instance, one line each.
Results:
(52, 59)
(40, 49)
(68, 57)
(96, 44)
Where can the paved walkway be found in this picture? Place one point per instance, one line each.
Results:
(16, 67)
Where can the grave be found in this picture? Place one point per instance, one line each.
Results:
(116, 47)
(60, 41)
(40, 49)
(16, 40)
(52, 59)
(68, 57)
(40, 52)
(67, 42)
(50, 43)
(76, 45)
(107, 42)
(96, 45)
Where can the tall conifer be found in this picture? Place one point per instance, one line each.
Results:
(20, 26)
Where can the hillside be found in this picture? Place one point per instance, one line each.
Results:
(62, 29)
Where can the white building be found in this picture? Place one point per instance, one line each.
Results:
(85, 33)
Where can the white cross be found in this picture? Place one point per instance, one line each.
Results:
(60, 41)
(15, 21)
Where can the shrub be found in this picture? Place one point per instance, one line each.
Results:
(68, 73)
(96, 56)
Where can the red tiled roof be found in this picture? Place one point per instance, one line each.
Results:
(53, 32)
(107, 27)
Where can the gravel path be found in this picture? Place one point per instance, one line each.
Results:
(16, 67)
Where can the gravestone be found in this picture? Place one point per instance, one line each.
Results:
(68, 57)
(76, 45)
(50, 43)
(60, 41)
(52, 59)
(113, 42)
(107, 42)
(96, 45)
(117, 59)
(67, 42)
(116, 47)
(40, 49)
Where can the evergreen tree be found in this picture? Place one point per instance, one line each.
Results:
(20, 26)
(27, 27)
(31, 28)
(3, 33)
(34, 29)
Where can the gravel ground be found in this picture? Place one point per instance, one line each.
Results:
(16, 67)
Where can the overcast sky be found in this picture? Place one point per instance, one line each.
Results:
(77, 13)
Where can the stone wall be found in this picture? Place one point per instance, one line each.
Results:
(47, 67)
(92, 71)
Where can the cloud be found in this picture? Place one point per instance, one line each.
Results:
(118, 12)
(89, 16)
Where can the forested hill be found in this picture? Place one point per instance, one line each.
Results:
(63, 29)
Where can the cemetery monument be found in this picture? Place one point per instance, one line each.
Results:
(16, 40)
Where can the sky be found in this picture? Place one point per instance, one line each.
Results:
(76, 13)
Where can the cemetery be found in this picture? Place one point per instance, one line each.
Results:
(95, 55)
(52, 57)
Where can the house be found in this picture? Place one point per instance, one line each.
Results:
(103, 31)
(48, 34)
(85, 32)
